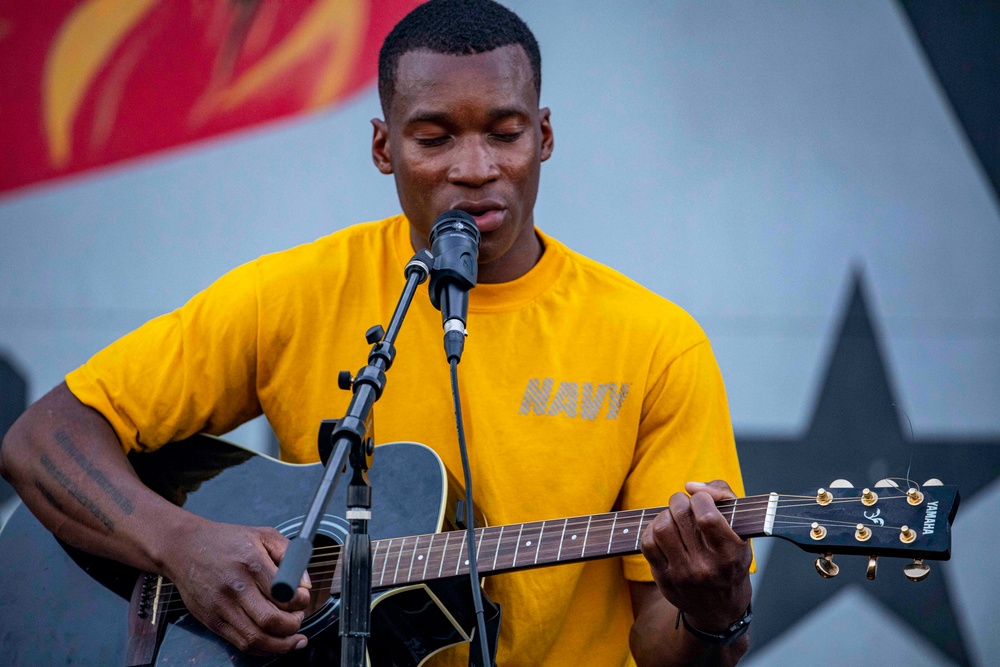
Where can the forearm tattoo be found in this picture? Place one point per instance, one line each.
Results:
(76, 493)
(94, 473)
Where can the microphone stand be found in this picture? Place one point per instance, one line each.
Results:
(349, 438)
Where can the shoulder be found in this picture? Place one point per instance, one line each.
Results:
(609, 295)
(330, 257)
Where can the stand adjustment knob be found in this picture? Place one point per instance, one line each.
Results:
(375, 334)
(345, 380)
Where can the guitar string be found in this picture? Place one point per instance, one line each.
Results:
(434, 553)
(626, 515)
(169, 596)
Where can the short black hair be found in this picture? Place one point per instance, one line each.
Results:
(455, 27)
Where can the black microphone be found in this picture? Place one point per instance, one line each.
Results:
(455, 246)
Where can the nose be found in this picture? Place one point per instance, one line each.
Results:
(474, 163)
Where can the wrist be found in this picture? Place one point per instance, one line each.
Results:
(723, 637)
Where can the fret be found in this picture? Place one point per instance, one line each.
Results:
(413, 557)
(527, 543)
(638, 532)
(562, 538)
(444, 550)
(517, 545)
(461, 550)
(732, 516)
(592, 535)
(611, 537)
(375, 564)
(399, 557)
(538, 548)
(497, 553)
(385, 563)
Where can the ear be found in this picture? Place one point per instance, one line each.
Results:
(381, 151)
(548, 141)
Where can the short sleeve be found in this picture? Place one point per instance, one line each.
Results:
(192, 370)
(685, 434)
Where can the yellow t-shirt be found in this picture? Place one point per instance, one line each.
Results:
(582, 392)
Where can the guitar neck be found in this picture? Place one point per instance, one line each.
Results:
(407, 560)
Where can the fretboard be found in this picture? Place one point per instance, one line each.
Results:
(412, 559)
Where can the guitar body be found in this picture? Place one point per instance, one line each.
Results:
(61, 606)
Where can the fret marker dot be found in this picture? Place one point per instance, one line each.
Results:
(528, 543)
(573, 538)
(466, 562)
(625, 531)
(420, 557)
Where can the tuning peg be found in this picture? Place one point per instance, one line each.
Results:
(882, 483)
(914, 497)
(826, 567)
(933, 481)
(917, 571)
(817, 532)
(872, 567)
(907, 535)
(841, 484)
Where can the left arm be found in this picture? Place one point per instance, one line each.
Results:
(701, 567)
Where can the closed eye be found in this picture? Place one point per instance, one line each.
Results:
(507, 136)
(431, 141)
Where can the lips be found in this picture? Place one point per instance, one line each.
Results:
(488, 214)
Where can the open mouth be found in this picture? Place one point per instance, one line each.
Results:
(488, 215)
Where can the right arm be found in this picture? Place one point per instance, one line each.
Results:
(66, 463)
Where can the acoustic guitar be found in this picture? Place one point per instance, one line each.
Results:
(59, 605)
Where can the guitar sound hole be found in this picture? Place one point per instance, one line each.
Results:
(322, 569)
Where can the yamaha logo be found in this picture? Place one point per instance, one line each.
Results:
(930, 517)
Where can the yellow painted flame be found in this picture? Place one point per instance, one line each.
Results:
(83, 45)
(95, 29)
(337, 24)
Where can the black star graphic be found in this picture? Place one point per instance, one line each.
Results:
(857, 434)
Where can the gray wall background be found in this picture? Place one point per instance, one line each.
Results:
(741, 159)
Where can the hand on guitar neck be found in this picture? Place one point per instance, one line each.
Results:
(66, 463)
(701, 567)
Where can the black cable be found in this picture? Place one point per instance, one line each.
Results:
(470, 533)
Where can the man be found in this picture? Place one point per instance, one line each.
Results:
(584, 391)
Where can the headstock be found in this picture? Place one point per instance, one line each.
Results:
(909, 521)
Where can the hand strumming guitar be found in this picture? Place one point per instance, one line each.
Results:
(66, 463)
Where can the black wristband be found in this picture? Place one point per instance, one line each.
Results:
(731, 634)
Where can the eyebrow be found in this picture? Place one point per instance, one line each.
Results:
(445, 118)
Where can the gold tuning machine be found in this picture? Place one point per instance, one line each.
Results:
(914, 497)
(872, 567)
(818, 532)
(826, 567)
(823, 497)
(917, 570)
(863, 533)
(868, 497)
(907, 535)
